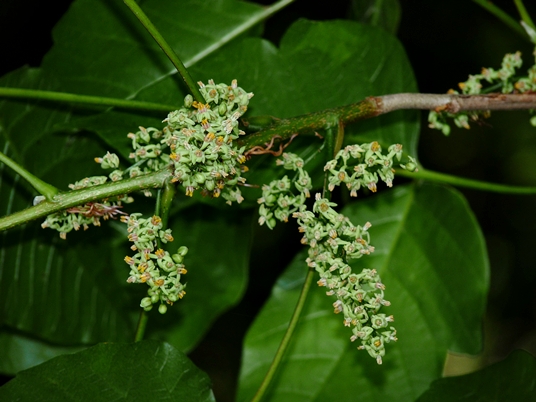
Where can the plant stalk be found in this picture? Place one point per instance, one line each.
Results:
(43, 188)
(524, 14)
(33, 94)
(142, 324)
(79, 197)
(462, 182)
(166, 48)
(286, 338)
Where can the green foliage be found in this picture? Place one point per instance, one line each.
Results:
(143, 371)
(488, 384)
(57, 297)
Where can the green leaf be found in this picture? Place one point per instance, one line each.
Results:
(21, 352)
(143, 371)
(431, 256)
(382, 13)
(509, 380)
(219, 243)
(49, 287)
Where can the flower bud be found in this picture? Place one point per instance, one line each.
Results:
(162, 309)
(146, 302)
(188, 100)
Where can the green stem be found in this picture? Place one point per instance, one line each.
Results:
(172, 56)
(500, 14)
(287, 337)
(43, 188)
(524, 14)
(467, 183)
(79, 197)
(164, 201)
(18, 93)
(142, 324)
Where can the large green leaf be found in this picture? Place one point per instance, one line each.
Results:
(509, 380)
(143, 371)
(21, 352)
(432, 259)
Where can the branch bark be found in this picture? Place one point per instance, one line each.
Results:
(455, 103)
(378, 105)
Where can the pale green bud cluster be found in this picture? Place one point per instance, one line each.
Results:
(198, 143)
(153, 265)
(91, 213)
(364, 165)
(504, 78)
(283, 197)
(333, 240)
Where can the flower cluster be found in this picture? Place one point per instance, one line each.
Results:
(333, 240)
(84, 215)
(152, 265)
(279, 199)
(363, 165)
(355, 165)
(505, 78)
(198, 143)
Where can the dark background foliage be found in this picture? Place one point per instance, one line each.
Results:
(445, 41)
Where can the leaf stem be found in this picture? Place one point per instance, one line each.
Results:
(142, 324)
(524, 14)
(467, 183)
(79, 197)
(164, 201)
(287, 337)
(166, 48)
(43, 188)
(18, 93)
(504, 17)
(140, 105)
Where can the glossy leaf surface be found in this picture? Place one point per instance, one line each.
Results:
(143, 371)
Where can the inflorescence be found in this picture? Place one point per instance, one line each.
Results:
(334, 241)
(504, 79)
(153, 265)
(197, 144)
